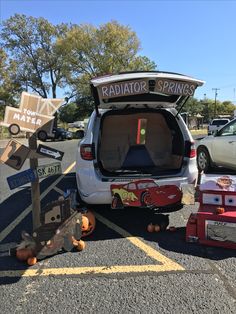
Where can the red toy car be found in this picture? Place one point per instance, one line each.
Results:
(144, 193)
(215, 222)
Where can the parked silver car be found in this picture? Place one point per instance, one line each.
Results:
(218, 149)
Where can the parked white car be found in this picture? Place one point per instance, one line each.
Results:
(216, 124)
(135, 132)
(218, 149)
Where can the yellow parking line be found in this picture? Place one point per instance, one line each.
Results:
(15, 222)
(167, 264)
(105, 270)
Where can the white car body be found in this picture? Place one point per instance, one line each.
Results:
(216, 124)
(218, 149)
(93, 185)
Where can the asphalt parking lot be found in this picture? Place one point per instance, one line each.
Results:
(123, 269)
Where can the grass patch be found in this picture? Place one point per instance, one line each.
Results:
(200, 131)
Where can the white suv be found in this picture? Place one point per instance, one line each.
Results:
(135, 132)
(216, 124)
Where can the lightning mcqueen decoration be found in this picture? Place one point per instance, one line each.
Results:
(144, 193)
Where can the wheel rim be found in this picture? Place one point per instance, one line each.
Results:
(147, 199)
(202, 160)
(14, 129)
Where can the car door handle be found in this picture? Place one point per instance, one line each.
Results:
(230, 142)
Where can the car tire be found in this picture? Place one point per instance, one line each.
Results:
(42, 136)
(14, 129)
(203, 160)
(146, 199)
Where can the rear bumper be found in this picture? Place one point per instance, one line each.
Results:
(94, 191)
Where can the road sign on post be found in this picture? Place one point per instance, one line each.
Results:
(35, 189)
(15, 154)
(49, 170)
(21, 178)
(50, 152)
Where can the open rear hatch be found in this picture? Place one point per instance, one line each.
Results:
(142, 89)
(139, 136)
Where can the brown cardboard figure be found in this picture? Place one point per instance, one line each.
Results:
(33, 113)
(15, 154)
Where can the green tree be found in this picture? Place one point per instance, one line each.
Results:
(9, 88)
(193, 106)
(31, 43)
(92, 51)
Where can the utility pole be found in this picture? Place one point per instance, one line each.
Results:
(215, 89)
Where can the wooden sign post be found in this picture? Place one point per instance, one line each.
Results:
(34, 113)
(35, 189)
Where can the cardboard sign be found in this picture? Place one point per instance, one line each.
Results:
(21, 178)
(35, 103)
(27, 120)
(50, 152)
(125, 88)
(15, 154)
(34, 113)
(49, 170)
(172, 87)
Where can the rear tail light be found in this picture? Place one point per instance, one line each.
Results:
(87, 152)
(190, 149)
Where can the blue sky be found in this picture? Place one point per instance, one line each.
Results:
(197, 38)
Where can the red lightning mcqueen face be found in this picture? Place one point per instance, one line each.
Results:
(144, 193)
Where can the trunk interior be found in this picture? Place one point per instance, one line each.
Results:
(140, 141)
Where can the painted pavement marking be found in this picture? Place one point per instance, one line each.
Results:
(167, 264)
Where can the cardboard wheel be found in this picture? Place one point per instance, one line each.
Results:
(14, 129)
(146, 199)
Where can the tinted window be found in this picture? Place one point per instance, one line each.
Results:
(219, 122)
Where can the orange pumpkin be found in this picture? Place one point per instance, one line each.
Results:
(24, 254)
(92, 223)
(157, 228)
(31, 261)
(220, 210)
(150, 227)
(85, 223)
(81, 245)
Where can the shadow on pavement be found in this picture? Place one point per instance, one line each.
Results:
(11, 209)
(132, 220)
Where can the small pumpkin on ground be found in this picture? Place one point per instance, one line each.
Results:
(81, 245)
(92, 222)
(24, 254)
(31, 261)
(150, 227)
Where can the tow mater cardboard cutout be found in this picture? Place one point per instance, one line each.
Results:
(61, 228)
(144, 193)
(215, 222)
